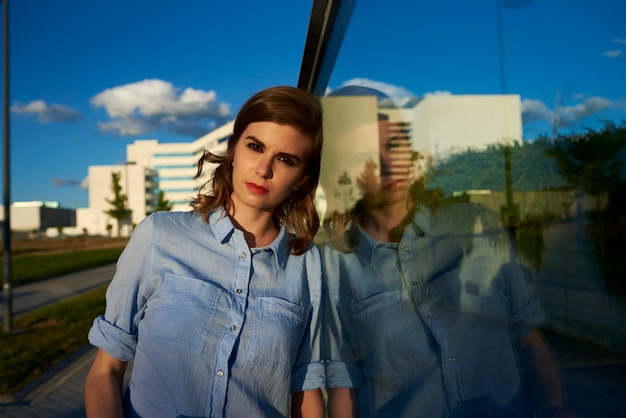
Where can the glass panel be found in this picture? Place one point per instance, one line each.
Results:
(472, 197)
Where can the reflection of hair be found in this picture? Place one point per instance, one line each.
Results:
(285, 106)
(420, 198)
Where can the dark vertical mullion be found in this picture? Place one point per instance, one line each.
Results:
(327, 26)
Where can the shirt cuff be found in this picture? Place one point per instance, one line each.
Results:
(526, 319)
(113, 340)
(308, 377)
(340, 374)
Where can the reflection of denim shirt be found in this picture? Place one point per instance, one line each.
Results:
(215, 328)
(427, 324)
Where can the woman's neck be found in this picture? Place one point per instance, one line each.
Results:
(258, 229)
(385, 224)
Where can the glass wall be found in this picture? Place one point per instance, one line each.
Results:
(472, 193)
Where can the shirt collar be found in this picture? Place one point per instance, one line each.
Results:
(223, 229)
(365, 246)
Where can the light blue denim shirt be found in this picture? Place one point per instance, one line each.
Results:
(426, 326)
(215, 328)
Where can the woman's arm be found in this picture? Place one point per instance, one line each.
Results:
(307, 404)
(342, 403)
(103, 387)
(542, 372)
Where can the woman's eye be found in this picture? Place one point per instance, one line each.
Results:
(391, 145)
(255, 147)
(288, 161)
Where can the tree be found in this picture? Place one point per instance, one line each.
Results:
(590, 161)
(118, 211)
(162, 203)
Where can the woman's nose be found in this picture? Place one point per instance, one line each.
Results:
(264, 168)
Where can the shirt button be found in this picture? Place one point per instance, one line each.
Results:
(220, 373)
(457, 404)
(240, 291)
(233, 327)
(405, 250)
(449, 359)
(430, 317)
(416, 283)
(242, 255)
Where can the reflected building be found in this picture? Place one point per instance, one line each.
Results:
(435, 126)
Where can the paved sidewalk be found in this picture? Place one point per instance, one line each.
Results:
(57, 393)
(46, 292)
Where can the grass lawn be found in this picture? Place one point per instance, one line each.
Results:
(44, 337)
(31, 268)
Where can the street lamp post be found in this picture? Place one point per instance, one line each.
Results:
(6, 233)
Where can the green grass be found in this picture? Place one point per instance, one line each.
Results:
(44, 337)
(31, 268)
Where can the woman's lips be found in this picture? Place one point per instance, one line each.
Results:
(391, 184)
(255, 188)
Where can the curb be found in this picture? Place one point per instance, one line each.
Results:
(38, 388)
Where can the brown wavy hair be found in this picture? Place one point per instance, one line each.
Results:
(283, 105)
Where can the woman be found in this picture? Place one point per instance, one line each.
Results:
(219, 307)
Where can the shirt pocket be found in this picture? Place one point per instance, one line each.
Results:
(384, 327)
(186, 308)
(278, 332)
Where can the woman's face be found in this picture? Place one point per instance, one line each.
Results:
(269, 163)
(392, 186)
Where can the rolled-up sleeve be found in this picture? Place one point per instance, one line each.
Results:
(342, 370)
(309, 372)
(115, 331)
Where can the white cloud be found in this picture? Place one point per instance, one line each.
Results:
(535, 110)
(438, 93)
(619, 40)
(614, 53)
(400, 96)
(127, 126)
(45, 112)
(397, 93)
(65, 182)
(154, 104)
(582, 110)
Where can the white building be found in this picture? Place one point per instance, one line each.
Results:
(150, 167)
(34, 218)
(435, 126)
(444, 124)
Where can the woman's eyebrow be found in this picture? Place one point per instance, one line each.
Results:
(260, 143)
(256, 140)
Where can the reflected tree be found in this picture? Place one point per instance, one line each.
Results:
(593, 162)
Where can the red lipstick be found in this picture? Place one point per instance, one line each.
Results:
(256, 189)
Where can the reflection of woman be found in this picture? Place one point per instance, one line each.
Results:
(428, 309)
(219, 307)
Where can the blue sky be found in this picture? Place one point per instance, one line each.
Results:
(88, 78)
